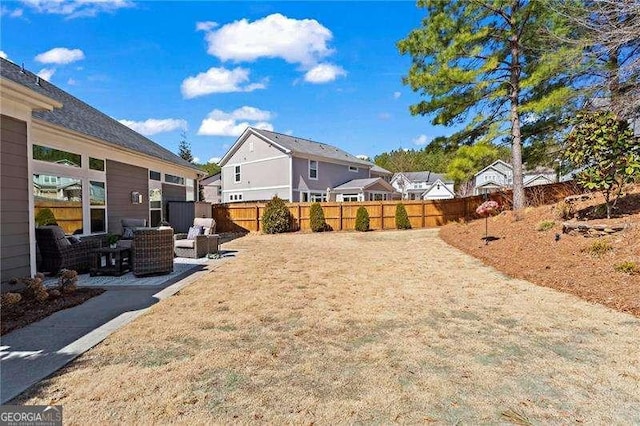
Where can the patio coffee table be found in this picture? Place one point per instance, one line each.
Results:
(117, 261)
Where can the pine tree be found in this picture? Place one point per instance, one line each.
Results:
(184, 148)
(482, 59)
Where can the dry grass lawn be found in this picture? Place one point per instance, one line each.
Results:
(359, 328)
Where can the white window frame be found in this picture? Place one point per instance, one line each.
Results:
(316, 169)
(237, 174)
(153, 185)
(236, 196)
(354, 169)
(317, 197)
(350, 198)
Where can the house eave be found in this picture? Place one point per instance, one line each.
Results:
(10, 90)
(242, 138)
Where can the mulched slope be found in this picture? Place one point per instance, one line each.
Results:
(522, 251)
(28, 311)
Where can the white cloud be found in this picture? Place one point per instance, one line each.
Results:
(206, 26)
(46, 73)
(296, 41)
(363, 157)
(396, 95)
(196, 160)
(71, 82)
(76, 8)
(219, 80)
(221, 123)
(214, 160)
(288, 132)
(3, 55)
(16, 13)
(153, 126)
(60, 55)
(421, 140)
(324, 73)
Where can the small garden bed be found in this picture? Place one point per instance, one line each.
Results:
(33, 301)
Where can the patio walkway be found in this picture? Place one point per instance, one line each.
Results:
(32, 353)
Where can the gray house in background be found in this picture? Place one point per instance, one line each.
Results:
(212, 188)
(261, 164)
(59, 153)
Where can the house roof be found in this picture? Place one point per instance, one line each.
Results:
(492, 166)
(423, 176)
(433, 185)
(308, 147)
(82, 118)
(362, 184)
(377, 169)
(212, 179)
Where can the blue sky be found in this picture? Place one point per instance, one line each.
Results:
(327, 71)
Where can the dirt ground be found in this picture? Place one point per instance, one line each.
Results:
(519, 249)
(378, 327)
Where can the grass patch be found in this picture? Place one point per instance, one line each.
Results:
(598, 247)
(157, 357)
(545, 225)
(627, 267)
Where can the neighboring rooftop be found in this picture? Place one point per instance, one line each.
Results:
(358, 184)
(380, 170)
(212, 179)
(82, 118)
(305, 146)
(425, 176)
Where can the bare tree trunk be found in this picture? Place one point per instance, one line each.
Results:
(516, 137)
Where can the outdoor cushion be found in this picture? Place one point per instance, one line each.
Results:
(207, 223)
(73, 240)
(194, 231)
(127, 232)
(64, 242)
(185, 243)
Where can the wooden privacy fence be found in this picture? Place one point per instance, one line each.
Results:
(243, 217)
(68, 214)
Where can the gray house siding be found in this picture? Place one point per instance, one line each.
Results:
(264, 172)
(330, 175)
(15, 187)
(122, 180)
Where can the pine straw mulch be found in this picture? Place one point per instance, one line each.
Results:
(567, 264)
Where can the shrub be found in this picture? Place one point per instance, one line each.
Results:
(10, 299)
(35, 289)
(628, 267)
(68, 281)
(598, 247)
(276, 218)
(45, 217)
(564, 210)
(316, 218)
(545, 225)
(362, 219)
(402, 218)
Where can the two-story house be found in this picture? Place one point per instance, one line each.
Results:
(262, 164)
(499, 175)
(424, 185)
(212, 188)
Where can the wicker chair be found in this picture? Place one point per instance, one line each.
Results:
(58, 252)
(152, 251)
(202, 244)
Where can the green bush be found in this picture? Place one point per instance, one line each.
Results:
(45, 217)
(627, 267)
(362, 219)
(402, 218)
(545, 225)
(316, 218)
(598, 247)
(276, 218)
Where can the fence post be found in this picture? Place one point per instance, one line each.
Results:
(257, 218)
(424, 213)
(299, 217)
(381, 215)
(340, 217)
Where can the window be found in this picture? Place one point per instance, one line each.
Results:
(191, 195)
(52, 155)
(155, 202)
(313, 169)
(178, 180)
(353, 169)
(96, 164)
(235, 197)
(305, 197)
(251, 146)
(376, 197)
(236, 174)
(318, 197)
(154, 175)
(97, 203)
(64, 199)
(350, 197)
